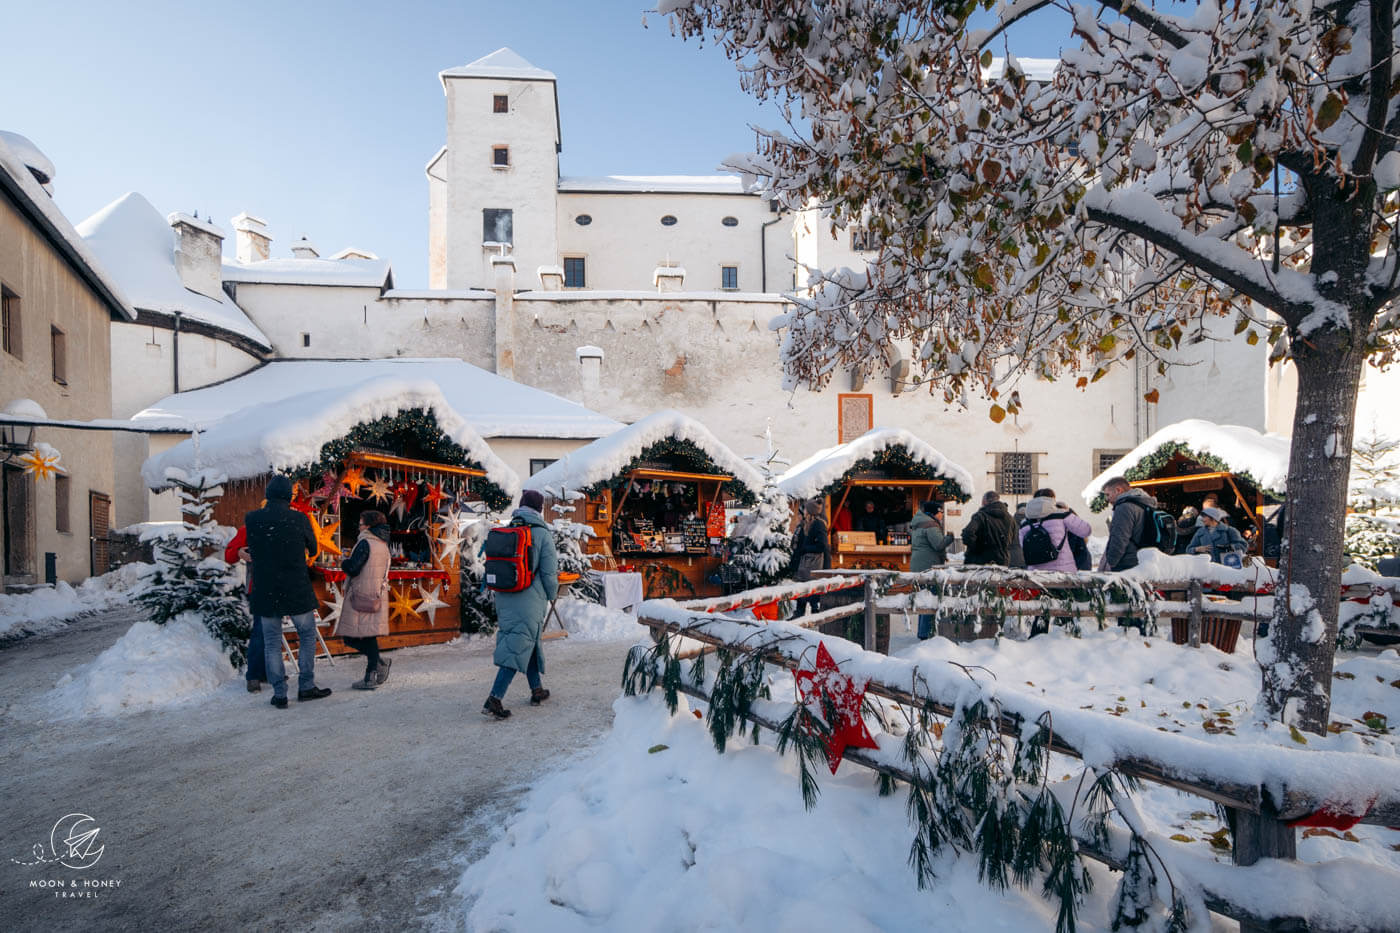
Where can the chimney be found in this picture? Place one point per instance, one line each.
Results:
(551, 278)
(198, 254)
(590, 364)
(668, 278)
(503, 273)
(254, 243)
(305, 249)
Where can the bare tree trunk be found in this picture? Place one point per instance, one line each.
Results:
(1296, 656)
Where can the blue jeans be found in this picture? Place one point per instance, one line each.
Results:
(925, 626)
(504, 675)
(306, 651)
(257, 660)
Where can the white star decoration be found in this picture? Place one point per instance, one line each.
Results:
(334, 603)
(431, 601)
(449, 545)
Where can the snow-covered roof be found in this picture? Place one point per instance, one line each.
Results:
(137, 243)
(607, 457)
(24, 149)
(366, 273)
(502, 63)
(17, 180)
(1037, 69)
(492, 405)
(1264, 457)
(809, 477)
(653, 184)
(288, 433)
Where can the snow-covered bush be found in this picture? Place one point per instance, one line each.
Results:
(190, 572)
(1371, 537)
(760, 552)
(476, 604)
(569, 536)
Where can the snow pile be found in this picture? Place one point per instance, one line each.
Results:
(821, 469)
(133, 240)
(655, 831)
(150, 667)
(591, 622)
(289, 433)
(494, 406)
(607, 457)
(48, 608)
(1243, 450)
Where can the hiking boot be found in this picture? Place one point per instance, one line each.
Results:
(369, 683)
(381, 673)
(315, 693)
(279, 702)
(538, 696)
(493, 707)
(254, 686)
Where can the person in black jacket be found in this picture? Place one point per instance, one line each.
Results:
(988, 535)
(811, 539)
(281, 543)
(872, 521)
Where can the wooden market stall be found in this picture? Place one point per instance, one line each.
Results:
(431, 483)
(1183, 463)
(870, 488)
(656, 497)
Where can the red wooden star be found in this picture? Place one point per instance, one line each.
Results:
(826, 688)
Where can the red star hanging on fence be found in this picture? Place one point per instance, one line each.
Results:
(827, 688)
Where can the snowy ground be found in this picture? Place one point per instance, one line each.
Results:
(353, 813)
(657, 831)
(49, 608)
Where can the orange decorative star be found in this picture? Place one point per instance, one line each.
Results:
(433, 496)
(301, 501)
(326, 537)
(379, 490)
(403, 604)
(354, 480)
(42, 461)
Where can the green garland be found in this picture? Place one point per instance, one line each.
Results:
(897, 460)
(1163, 455)
(395, 432)
(687, 457)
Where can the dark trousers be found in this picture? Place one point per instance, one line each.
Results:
(369, 647)
(504, 675)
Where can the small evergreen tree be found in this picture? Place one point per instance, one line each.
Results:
(760, 552)
(475, 601)
(569, 536)
(1371, 537)
(191, 575)
(1373, 521)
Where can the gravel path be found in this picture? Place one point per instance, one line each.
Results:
(356, 812)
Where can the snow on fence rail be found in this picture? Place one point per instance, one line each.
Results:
(1266, 787)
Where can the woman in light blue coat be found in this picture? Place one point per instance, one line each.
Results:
(520, 616)
(1216, 538)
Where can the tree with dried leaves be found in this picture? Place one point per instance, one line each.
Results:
(1238, 161)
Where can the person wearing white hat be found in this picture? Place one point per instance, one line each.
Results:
(1216, 538)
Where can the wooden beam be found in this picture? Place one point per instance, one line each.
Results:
(1171, 480)
(672, 475)
(407, 464)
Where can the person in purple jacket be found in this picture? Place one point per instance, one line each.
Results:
(1047, 519)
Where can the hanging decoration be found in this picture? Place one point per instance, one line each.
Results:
(329, 492)
(402, 605)
(432, 496)
(42, 462)
(326, 537)
(835, 699)
(301, 501)
(334, 602)
(683, 455)
(449, 546)
(379, 489)
(430, 601)
(897, 461)
(353, 481)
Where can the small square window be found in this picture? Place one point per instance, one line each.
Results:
(62, 486)
(1015, 473)
(729, 278)
(500, 156)
(1103, 459)
(497, 225)
(9, 317)
(537, 464)
(306, 340)
(58, 343)
(575, 272)
(500, 103)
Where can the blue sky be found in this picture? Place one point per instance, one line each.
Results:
(319, 117)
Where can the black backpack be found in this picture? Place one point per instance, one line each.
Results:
(1038, 547)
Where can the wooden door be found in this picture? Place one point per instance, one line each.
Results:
(17, 491)
(99, 523)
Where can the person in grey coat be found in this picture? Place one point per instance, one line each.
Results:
(1216, 538)
(520, 616)
(1132, 510)
(929, 545)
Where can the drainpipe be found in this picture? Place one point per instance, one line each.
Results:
(763, 250)
(175, 353)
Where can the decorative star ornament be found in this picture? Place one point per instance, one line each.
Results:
(326, 537)
(449, 547)
(301, 501)
(334, 603)
(353, 481)
(433, 495)
(329, 492)
(826, 691)
(42, 462)
(430, 602)
(402, 605)
(379, 490)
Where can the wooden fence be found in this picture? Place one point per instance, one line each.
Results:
(1260, 809)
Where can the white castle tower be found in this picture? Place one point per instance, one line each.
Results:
(493, 188)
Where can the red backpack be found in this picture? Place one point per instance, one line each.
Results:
(507, 553)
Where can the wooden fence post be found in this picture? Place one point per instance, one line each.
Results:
(1257, 836)
(1196, 598)
(869, 640)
